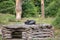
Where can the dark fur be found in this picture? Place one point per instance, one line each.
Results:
(30, 22)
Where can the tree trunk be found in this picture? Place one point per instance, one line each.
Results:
(42, 9)
(18, 9)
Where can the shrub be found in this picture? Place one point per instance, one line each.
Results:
(29, 9)
(56, 22)
(52, 8)
(7, 6)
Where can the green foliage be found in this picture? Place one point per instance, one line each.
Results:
(52, 8)
(7, 6)
(57, 20)
(29, 9)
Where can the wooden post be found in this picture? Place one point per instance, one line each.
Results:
(42, 9)
(18, 9)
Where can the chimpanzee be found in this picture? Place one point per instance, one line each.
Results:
(30, 22)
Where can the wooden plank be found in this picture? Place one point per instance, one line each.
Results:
(47, 30)
(41, 32)
(7, 36)
(14, 39)
(43, 35)
(41, 38)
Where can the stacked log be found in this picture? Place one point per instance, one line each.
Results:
(27, 32)
(43, 31)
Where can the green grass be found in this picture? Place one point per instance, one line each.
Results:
(40, 20)
(0, 38)
(8, 18)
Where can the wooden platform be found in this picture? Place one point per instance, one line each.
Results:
(27, 32)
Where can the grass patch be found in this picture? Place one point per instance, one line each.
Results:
(40, 20)
(0, 38)
(8, 18)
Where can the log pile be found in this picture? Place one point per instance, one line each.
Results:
(43, 31)
(27, 32)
